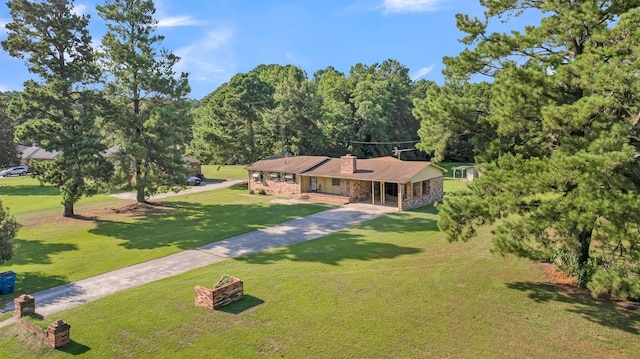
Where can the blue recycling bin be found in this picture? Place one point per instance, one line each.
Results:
(7, 282)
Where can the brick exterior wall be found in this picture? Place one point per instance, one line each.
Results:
(218, 297)
(436, 192)
(355, 190)
(56, 335)
(278, 187)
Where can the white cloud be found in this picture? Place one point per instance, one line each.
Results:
(421, 72)
(397, 6)
(208, 59)
(2, 28)
(174, 21)
(79, 9)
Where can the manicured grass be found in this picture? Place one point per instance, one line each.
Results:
(215, 172)
(389, 288)
(28, 201)
(66, 250)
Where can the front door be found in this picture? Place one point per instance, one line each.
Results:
(314, 183)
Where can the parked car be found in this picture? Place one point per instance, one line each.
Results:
(194, 181)
(19, 170)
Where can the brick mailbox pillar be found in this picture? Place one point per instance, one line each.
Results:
(24, 305)
(58, 334)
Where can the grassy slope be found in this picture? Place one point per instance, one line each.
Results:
(392, 287)
(49, 256)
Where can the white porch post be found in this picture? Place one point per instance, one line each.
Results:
(373, 193)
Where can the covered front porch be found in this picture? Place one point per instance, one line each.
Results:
(337, 190)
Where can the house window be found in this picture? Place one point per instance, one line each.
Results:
(290, 177)
(257, 176)
(274, 176)
(335, 182)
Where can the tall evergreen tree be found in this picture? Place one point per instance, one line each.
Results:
(8, 147)
(454, 121)
(567, 189)
(152, 122)
(61, 108)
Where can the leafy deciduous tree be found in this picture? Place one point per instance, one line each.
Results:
(229, 125)
(8, 231)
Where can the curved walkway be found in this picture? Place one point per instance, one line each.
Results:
(67, 296)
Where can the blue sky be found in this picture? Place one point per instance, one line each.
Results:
(217, 39)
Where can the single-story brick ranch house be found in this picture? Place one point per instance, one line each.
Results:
(385, 180)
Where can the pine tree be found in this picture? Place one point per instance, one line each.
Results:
(151, 122)
(60, 107)
(566, 180)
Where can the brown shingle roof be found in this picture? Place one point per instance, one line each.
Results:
(296, 164)
(387, 169)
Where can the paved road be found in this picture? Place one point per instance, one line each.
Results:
(64, 297)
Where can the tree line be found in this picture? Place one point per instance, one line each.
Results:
(276, 110)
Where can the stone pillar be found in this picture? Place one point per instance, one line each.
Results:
(24, 305)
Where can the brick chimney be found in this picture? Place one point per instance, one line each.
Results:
(348, 164)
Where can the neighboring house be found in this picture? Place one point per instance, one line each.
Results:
(28, 153)
(386, 180)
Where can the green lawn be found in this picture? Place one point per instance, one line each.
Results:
(28, 201)
(389, 288)
(66, 250)
(215, 172)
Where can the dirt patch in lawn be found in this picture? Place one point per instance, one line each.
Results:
(569, 286)
(133, 210)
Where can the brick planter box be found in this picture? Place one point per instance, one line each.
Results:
(55, 335)
(219, 296)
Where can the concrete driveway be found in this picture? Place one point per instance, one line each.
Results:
(67, 296)
(204, 186)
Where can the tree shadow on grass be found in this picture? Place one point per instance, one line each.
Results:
(74, 348)
(188, 225)
(603, 312)
(29, 190)
(237, 307)
(38, 252)
(405, 221)
(331, 250)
